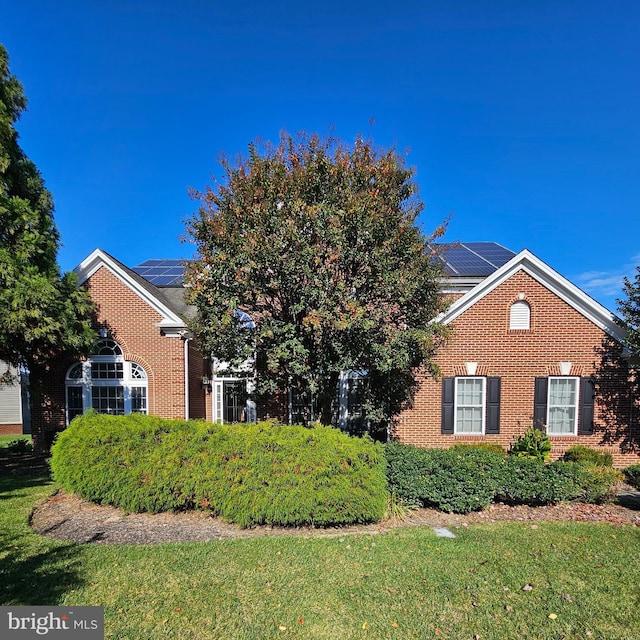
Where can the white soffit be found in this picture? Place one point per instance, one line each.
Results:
(170, 322)
(549, 278)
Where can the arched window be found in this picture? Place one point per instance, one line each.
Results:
(520, 316)
(107, 383)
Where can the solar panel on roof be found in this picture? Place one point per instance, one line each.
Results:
(474, 258)
(494, 253)
(162, 273)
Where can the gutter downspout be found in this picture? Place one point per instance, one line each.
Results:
(186, 377)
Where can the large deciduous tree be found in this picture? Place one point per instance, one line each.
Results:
(43, 314)
(317, 241)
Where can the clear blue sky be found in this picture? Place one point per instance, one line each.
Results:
(522, 119)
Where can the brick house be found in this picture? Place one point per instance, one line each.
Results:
(526, 344)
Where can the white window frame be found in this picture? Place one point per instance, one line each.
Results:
(346, 379)
(344, 417)
(576, 406)
(133, 377)
(217, 398)
(482, 406)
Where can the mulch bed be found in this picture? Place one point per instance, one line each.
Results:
(67, 517)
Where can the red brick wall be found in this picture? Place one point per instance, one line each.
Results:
(131, 323)
(10, 429)
(481, 334)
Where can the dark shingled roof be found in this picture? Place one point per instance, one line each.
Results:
(460, 259)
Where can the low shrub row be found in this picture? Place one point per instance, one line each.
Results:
(632, 475)
(268, 473)
(464, 479)
(249, 474)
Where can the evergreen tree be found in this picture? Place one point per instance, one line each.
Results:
(629, 309)
(317, 241)
(44, 316)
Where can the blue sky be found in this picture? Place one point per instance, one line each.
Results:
(520, 118)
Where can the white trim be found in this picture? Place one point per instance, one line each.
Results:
(11, 397)
(520, 316)
(86, 382)
(171, 324)
(186, 378)
(552, 280)
(483, 406)
(217, 397)
(576, 406)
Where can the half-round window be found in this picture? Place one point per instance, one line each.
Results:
(107, 383)
(106, 347)
(520, 316)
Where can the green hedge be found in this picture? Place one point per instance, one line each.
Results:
(457, 480)
(249, 474)
(526, 481)
(587, 455)
(464, 479)
(632, 475)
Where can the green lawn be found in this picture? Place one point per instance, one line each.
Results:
(5, 440)
(585, 581)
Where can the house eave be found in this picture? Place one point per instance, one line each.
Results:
(552, 280)
(170, 321)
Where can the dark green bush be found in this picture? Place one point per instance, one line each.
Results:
(632, 475)
(488, 446)
(526, 481)
(407, 469)
(586, 455)
(533, 443)
(250, 474)
(457, 480)
(19, 446)
(463, 480)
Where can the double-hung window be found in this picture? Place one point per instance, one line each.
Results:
(564, 405)
(471, 405)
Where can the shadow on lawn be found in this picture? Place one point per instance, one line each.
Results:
(33, 570)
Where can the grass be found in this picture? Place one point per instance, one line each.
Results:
(585, 581)
(5, 440)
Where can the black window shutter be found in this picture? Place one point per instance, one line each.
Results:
(448, 402)
(540, 402)
(493, 405)
(585, 421)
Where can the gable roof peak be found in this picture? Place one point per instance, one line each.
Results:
(171, 323)
(559, 285)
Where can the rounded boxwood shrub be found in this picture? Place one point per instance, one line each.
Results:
(407, 469)
(458, 480)
(250, 474)
(463, 480)
(586, 455)
(632, 475)
(525, 481)
(468, 478)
